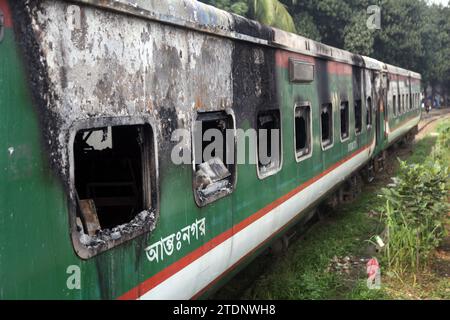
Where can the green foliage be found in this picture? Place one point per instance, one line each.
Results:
(272, 13)
(415, 209)
(442, 150)
(302, 273)
(413, 35)
(357, 37)
(239, 7)
(305, 25)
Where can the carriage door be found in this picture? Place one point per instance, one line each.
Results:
(380, 98)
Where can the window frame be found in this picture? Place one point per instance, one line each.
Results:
(394, 105)
(354, 116)
(348, 121)
(369, 125)
(403, 104)
(280, 165)
(305, 104)
(149, 183)
(331, 145)
(234, 174)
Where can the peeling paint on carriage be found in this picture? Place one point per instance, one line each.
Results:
(96, 63)
(110, 65)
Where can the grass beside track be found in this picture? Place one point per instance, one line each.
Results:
(303, 272)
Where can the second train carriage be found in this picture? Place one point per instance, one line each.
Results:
(127, 75)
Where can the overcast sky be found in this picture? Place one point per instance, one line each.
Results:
(443, 2)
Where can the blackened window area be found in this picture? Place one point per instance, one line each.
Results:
(113, 171)
(345, 119)
(269, 142)
(394, 105)
(358, 116)
(369, 112)
(302, 131)
(214, 167)
(326, 123)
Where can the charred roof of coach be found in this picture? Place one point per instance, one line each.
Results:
(201, 17)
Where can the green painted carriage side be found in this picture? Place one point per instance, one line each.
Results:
(34, 238)
(293, 173)
(35, 245)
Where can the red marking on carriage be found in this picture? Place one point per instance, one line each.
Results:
(339, 68)
(282, 58)
(333, 67)
(177, 266)
(7, 19)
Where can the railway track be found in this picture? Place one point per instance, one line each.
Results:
(432, 117)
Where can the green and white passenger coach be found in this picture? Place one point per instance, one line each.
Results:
(92, 205)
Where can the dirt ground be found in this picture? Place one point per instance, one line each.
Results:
(428, 123)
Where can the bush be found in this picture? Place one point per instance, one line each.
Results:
(416, 206)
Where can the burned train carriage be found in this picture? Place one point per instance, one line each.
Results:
(92, 205)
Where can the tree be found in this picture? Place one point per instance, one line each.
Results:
(413, 35)
(239, 7)
(305, 25)
(358, 38)
(270, 12)
(399, 41)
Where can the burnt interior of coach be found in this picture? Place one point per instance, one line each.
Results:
(268, 129)
(303, 130)
(326, 123)
(345, 120)
(213, 142)
(110, 174)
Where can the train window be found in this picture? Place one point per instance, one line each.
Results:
(326, 124)
(403, 103)
(399, 107)
(369, 111)
(394, 105)
(302, 131)
(358, 116)
(345, 119)
(115, 184)
(214, 156)
(269, 142)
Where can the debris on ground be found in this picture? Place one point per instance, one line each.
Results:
(347, 264)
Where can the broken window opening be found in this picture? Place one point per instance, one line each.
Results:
(358, 116)
(345, 119)
(112, 177)
(369, 112)
(302, 131)
(269, 142)
(326, 122)
(403, 103)
(394, 105)
(214, 173)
